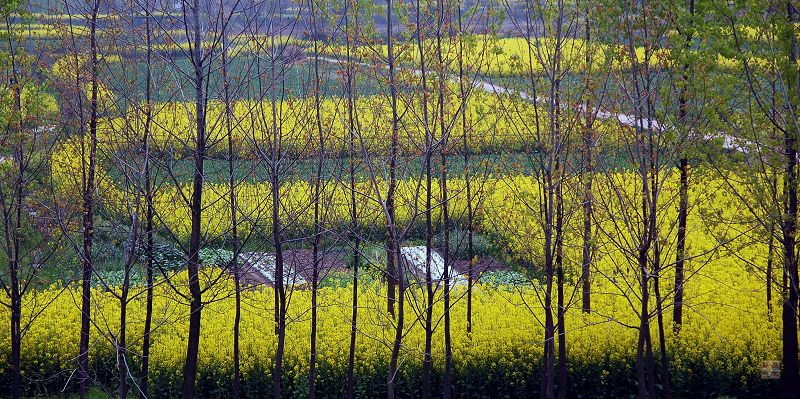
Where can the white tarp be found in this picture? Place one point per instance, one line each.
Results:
(415, 258)
(264, 264)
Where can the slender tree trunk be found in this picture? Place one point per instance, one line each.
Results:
(428, 313)
(649, 243)
(144, 384)
(770, 260)
(12, 220)
(354, 238)
(395, 269)
(280, 291)
(13, 249)
(790, 383)
(426, 364)
(551, 208)
(88, 211)
(644, 349)
(448, 340)
(236, 386)
(645, 158)
(683, 210)
(399, 320)
(317, 197)
(13, 271)
(16, 335)
(561, 319)
(312, 373)
(16, 318)
(662, 344)
(588, 199)
(683, 206)
(443, 137)
(392, 263)
(774, 186)
(148, 196)
(655, 243)
(467, 178)
(196, 211)
(279, 280)
(548, 373)
(234, 266)
(353, 325)
(558, 207)
(121, 344)
(148, 253)
(122, 348)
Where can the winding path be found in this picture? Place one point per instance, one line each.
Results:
(729, 142)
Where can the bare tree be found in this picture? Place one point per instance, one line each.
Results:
(683, 207)
(394, 266)
(775, 205)
(26, 129)
(86, 121)
(148, 198)
(589, 139)
(351, 35)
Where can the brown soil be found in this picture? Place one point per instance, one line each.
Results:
(297, 262)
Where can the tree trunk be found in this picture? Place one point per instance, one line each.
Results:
(148, 195)
(588, 143)
(467, 178)
(392, 262)
(399, 319)
(122, 351)
(279, 280)
(644, 352)
(790, 383)
(683, 210)
(351, 125)
(280, 328)
(770, 260)
(16, 338)
(234, 265)
(561, 320)
(443, 137)
(662, 344)
(280, 290)
(448, 341)
(548, 372)
(12, 220)
(683, 207)
(121, 344)
(88, 213)
(428, 313)
(148, 318)
(549, 336)
(317, 197)
(196, 210)
(16, 296)
(552, 174)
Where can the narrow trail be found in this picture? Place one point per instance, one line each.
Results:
(623, 119)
